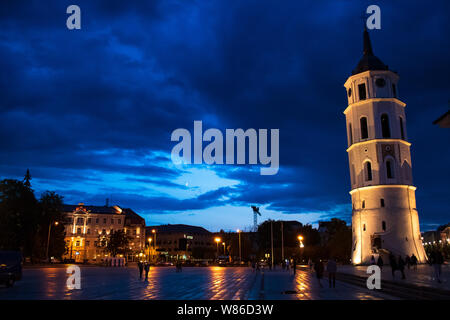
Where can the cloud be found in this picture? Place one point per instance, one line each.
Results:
(90, 112)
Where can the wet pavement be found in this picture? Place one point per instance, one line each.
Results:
(423, 276)
(193, 283)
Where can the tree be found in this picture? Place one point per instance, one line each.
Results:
(117, 242)
(51, 211)
(19, 217)
(24, 221)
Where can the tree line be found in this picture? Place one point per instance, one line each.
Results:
(25, 222)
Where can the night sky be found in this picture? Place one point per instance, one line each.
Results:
(90, 112)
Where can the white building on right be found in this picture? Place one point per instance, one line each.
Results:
(384, 214)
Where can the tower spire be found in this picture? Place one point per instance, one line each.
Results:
(367, 50)
(368, 61)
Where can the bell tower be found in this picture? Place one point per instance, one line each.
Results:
(384, 214)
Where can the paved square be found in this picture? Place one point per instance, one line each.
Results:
(193, 283)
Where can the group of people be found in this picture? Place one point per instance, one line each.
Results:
(289, 265)
(143, 266)
(436, 259)
(319, 268)
(178, 266)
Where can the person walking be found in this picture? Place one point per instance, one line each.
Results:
(408, 261)
(401, 266)
(141, 269)
(318, 267)
(437, 259)
(393, 264)
(380, 262)
(147, 269)
(310, 264)
(332, 269)
(414, 262)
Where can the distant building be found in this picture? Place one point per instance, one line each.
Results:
(438, 236)
(178, 241)
(87, 223)
(444, 120)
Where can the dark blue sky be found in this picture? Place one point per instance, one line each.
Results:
(91, 111)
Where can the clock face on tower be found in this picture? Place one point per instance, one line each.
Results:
(380, 82)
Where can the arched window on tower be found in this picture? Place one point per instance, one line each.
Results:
(402, 131)
(389, 169)
(364, 131)
(385, 130)
(383, 225)
(350, 134)
(368, 170)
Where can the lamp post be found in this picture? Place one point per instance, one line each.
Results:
(48, 238)
(223, 243)
(154, 239)
(282, 242)
(300, 244)
(271, 241)
(240, 255)
(149, 242)
(217, 240)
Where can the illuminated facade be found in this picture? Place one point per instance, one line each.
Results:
(384, 214)
(87, 224)
(178, 241)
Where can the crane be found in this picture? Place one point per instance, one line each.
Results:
(255, 217)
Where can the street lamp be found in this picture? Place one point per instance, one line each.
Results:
(240, 255)
(154, 239)
(223, 243)
(301, 245)
(48, 238)
(149, 242)
(217, 240)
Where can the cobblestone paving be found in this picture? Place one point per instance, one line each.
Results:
(164, 283)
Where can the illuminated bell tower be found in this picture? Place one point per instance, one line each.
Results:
(384, 214)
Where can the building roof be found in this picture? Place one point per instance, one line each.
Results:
(368, 61)
(91, 209)
(130, 215)
(178, 228)
(444, 120)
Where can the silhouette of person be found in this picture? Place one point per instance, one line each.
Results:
(141, 269)
(332, 269)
